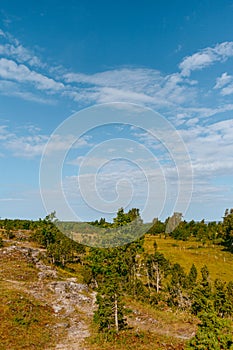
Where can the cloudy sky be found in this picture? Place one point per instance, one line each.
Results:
(134, 59)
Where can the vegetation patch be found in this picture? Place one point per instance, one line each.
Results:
(25, 323)
(14, 266)
(130, 339)
(186, 253)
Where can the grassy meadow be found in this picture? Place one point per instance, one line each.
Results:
(186, 253)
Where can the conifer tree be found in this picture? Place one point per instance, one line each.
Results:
(213, 333)
(192, 277)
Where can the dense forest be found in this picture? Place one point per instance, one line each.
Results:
(129, 270)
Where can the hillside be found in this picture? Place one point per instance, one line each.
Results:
(42, 307)
(47, 306)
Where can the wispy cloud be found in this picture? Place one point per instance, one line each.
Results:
(20, 72)
(139, 85)
(210, 148)
(2, 33)
(206, 57)
(223, 80)
(24, 75)
(10, 70)
(11, 88)
(33, 143)
(12, 48)
(20, 54)
(11, 199)
(225, 84)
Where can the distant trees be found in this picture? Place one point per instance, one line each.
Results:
(60, 248)
(157, 227)
(180, 229)
(18, 224)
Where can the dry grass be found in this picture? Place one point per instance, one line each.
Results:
(148, 329)
(186, 253)
(25, 323)
(132, 340)
(71, 270)
(15, 267)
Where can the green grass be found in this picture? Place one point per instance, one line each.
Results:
(218, 261)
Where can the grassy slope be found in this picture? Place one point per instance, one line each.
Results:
(219, 262)
(26, 323)
(167, 331)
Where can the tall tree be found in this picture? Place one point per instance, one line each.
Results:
(114, 271)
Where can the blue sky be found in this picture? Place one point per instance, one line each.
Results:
(173, 57)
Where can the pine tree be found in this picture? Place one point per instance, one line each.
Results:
(114, 272)
(214, 333)
(192, 277)
(177, 288)
(202, 294)
(157, 268)
(110, 271)
(220, 298)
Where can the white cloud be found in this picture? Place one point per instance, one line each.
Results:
(225, 84)
(2, 33)
(223, 80)
(12, 48)
(32, 143)
(10, 70)
(206, 57)
(11, 199)
(10, 88)
(60, 142)
(89, 161)
(210, 148)
(26, 146)
(123, 77)
(186, 116)
(19, 53)
(117, 186)
(137, 85)
(228, 90)
(4, 134)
